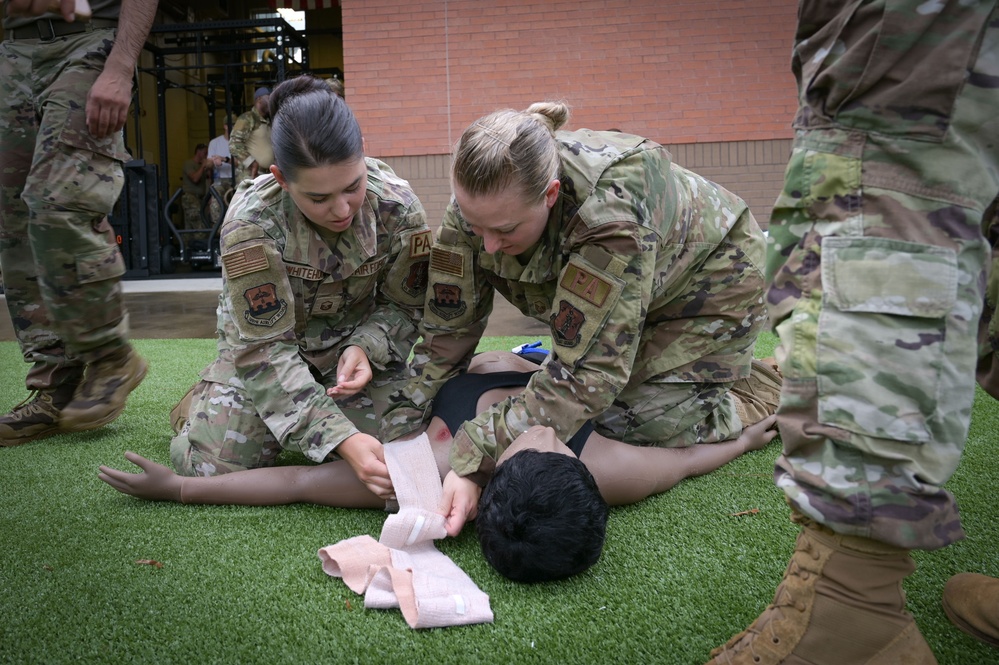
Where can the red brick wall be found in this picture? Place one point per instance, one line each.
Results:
(417, 73)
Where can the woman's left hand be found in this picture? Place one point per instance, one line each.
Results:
(353, 372)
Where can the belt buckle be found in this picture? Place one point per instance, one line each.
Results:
(43, 25)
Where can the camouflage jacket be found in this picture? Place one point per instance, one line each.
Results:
(292, 301)
(628, 277)
(239, 137)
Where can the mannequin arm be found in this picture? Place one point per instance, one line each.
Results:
(329, 484)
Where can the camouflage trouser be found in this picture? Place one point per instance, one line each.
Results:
(222, 432)
(671, 415)
(191, 204)
(61, 265)
(878, 264)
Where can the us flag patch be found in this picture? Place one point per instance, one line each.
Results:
(446, 262)
(245, 261)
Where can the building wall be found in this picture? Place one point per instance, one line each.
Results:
(709, 79)
(752, 169)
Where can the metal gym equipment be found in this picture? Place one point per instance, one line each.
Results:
(151, 243)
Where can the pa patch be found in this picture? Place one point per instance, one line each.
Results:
(415, 283)
(566, 324)
(447, 302)
(586, 285)
(264, 308)
(420, 244)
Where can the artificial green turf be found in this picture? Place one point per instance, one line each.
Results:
(679, 573)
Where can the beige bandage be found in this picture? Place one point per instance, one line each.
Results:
(404, 569)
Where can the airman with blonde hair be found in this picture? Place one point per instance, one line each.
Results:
(648, 275)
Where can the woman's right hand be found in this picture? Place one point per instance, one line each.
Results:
(366, 457)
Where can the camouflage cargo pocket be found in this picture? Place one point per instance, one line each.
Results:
(881, 335)
(99, 266)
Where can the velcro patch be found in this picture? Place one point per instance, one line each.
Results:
(566, 324)
(446, 262)
(420, 244)
(264, 308)
(447, 302)
(244, 261)
(586, 285)
(415, 283)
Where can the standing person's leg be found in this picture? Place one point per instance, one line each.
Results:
(53, 374)
(72, 186)
(876, 255)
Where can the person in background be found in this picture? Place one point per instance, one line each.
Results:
(222, 182)
(196, 180)
(66, 85)
(249, 132)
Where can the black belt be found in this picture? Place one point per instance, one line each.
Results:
(48, 29)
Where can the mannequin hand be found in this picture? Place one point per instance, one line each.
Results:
(460, 502)
(353, 372)
(758, 435)
(155, 482)
(366, 457)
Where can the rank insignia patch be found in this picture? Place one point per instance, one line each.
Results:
(566, 324)
(264, 308)
(244, 261)
(447, 302)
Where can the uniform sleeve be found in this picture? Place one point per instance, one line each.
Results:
(596, 321)
(260, 329)
(239, 140)
(387, 336)
(458, 303)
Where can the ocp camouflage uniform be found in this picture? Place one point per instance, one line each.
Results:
(877, 252)
(651, 279)
(239, 143)
(194, 195)
(61, 264)
(290, 304)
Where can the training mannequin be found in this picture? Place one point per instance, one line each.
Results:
(623, 472)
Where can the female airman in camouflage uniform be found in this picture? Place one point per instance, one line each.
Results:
(324, 276)
(650, 277)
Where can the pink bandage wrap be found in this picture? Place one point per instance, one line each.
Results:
(403, 568)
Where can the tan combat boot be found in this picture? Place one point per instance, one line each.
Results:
(101, 396)
(841, 601)
(971, 602)
(37, 416)
(758, 395)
